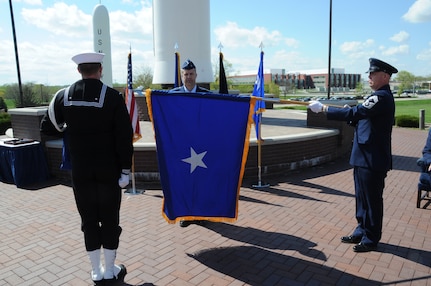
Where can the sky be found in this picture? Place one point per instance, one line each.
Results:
(294, 34)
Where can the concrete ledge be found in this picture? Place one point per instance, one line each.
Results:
(299, 137)
(146, 146)
(32, 111)
(26, 122)
(279, 154)
(292, 140)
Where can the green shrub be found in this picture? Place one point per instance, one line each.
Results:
(407, 121)
(3, 104)
(5, 122)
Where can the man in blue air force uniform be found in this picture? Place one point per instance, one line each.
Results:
(188, 76)
(100, 140)
(371, 155)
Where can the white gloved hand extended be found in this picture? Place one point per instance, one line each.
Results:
(123, 181)
(316, 106)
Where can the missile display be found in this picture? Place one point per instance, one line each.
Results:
(102, 40)
(187, 24)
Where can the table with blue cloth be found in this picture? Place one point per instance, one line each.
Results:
(22, 164)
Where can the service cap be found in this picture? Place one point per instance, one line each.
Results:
(378, 65)
(188, 65)
(86, 58)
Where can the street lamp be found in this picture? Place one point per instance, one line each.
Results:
(329, 50)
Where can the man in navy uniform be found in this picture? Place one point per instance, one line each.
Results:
(371, 155)
(188, 76)
(100, 143)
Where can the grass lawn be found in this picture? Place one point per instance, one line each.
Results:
(412, 107)
(10, 103)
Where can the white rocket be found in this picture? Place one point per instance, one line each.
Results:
(102, 40)
(186, 23)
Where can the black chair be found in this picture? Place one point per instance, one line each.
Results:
(424, 185)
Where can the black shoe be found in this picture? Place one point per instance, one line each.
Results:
(99, 282)
(186, 223)
(117, 280)
(364, 247)
(351, 239)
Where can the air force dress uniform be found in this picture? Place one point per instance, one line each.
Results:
(371, 156)
(189, 65)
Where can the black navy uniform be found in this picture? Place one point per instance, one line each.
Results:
(100, 141)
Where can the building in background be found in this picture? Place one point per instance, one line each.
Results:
(303, 79)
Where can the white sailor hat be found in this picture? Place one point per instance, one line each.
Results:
(91, 57)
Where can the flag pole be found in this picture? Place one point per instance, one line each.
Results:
(259, 136)
(297, 102)
(135, 123)
(259, 158)
(133, 190)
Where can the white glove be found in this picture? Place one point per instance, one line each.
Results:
(315, 106)
(123, 181)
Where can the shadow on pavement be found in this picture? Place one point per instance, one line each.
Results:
(265, 239)
(258, 266)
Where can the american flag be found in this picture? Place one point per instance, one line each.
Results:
(131, 102)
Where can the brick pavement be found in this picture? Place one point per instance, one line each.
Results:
(287, 234)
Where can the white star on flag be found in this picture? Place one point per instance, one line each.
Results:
(195, 160)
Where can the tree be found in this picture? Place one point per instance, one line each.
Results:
(360, 88)
(274, 89)
(406, 80)
(30, 97)
(144, 78)
(42, 92)
(3, 105)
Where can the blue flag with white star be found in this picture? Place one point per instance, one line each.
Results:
(202, 144)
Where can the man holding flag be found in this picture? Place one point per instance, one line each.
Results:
(201, 155)
(188, 76)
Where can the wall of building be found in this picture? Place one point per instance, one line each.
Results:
(303, 80)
